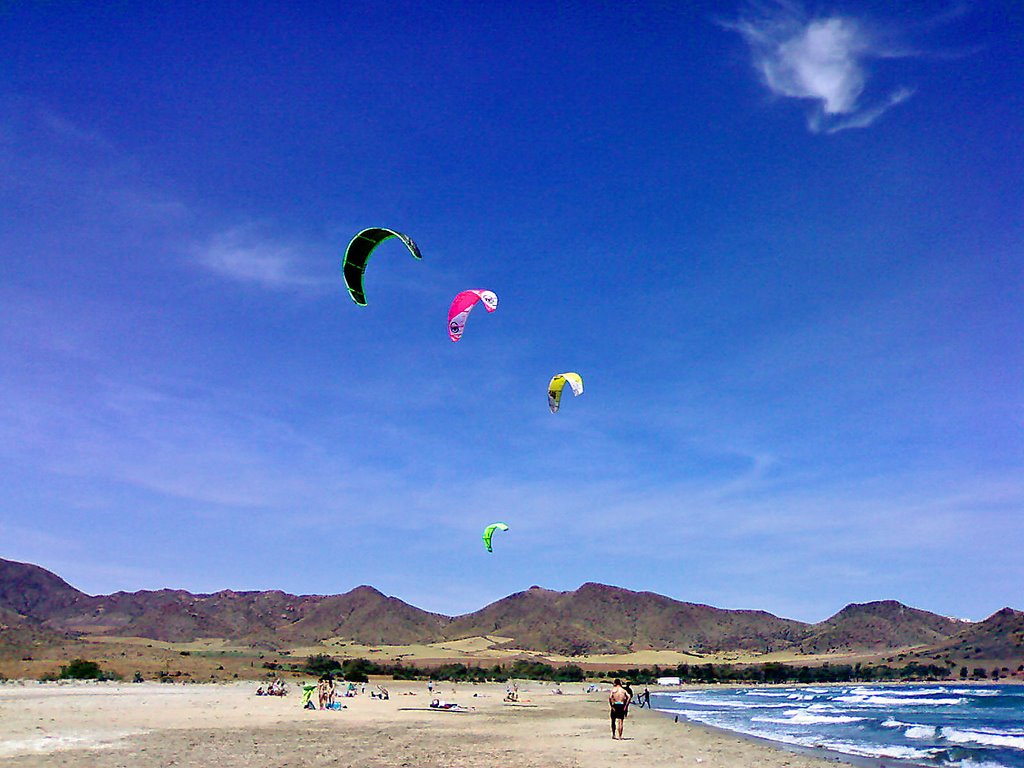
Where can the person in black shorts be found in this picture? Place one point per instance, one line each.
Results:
(619, 702)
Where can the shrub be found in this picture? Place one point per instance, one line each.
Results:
(321, 664)
(570, 673)
(81, 669)
(356, 670)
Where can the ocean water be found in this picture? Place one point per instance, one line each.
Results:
(932, 725)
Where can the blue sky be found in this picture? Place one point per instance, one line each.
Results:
(783, 245)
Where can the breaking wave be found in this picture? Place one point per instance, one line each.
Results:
(935, 725)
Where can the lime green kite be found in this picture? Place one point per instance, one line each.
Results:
(489, 531)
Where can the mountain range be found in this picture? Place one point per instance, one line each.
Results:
(38, 605)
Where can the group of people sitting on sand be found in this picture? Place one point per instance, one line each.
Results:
(327, 690)
(276, 688)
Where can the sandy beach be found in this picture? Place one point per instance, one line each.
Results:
(151, 724)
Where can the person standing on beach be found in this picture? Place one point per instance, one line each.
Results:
(321, 692)
(619, 702)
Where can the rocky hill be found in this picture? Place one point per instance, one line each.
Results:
(364, 614)
(1000, 636)
(878, 625)
(29, 590)
(601, 619)
(38, 606)
(21, 636)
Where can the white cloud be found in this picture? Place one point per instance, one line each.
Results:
(822, 59)
(860, 119)
(241, 254)
(97, 194)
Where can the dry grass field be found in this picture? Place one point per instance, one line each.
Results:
(219, 660)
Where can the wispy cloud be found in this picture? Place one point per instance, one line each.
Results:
(210, 448)
(822, 59)
(243, 254)
(99, 194)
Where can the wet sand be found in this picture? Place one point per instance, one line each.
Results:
(152, 725)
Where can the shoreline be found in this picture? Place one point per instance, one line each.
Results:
(152, 725)
(820, 753)
(159, 724)
(824, 753)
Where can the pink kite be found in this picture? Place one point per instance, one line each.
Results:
(461, 307)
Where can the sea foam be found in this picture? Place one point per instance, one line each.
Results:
(806, 718)
(885, 701)
(985, 738)
(943, 726)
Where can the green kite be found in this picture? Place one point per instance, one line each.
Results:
(358, 253)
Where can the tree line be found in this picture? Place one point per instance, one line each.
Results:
(359, 670)
(777, 672)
